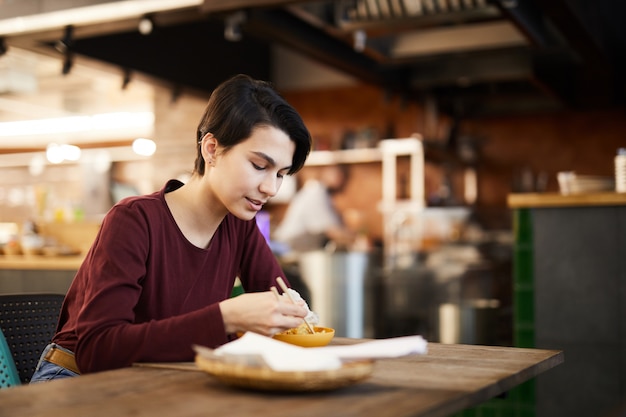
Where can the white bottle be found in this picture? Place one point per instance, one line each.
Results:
(620, 170)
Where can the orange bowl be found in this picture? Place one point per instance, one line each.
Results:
(321, 337)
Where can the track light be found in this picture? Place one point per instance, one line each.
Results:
(64, 46)
(360, 38)
(232, 26)
(146, 25)
(65, 43)
(126, 79)
(3, 46)
(68, 62)
(177, 91)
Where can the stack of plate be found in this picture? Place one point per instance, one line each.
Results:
(572, 183)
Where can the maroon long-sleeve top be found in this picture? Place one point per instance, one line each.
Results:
(146, 294)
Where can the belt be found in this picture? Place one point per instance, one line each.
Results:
(62, 358)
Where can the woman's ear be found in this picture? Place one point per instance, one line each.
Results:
(209, 148)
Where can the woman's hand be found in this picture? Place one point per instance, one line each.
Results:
(262, 313)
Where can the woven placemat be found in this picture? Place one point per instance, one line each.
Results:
(265, 379)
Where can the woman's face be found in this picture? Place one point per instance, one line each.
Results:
(245, 177)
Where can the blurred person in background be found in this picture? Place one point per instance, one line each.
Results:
(311, 221)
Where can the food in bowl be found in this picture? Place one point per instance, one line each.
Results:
(300, 336)
(301, 329)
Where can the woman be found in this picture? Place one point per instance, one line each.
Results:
(160, 272)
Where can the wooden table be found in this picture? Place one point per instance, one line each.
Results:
(448, 379)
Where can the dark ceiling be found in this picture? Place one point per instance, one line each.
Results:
(572, 53)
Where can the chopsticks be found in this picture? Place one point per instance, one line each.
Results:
(275, 291)
(285, 289)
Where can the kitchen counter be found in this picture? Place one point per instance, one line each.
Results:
(35, 262)
(37, 273)
(537, 200)
(21, 273)
(569, 285)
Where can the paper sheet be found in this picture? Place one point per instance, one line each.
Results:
(255, 350)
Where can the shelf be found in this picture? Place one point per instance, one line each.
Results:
(347, 156)
(35, 262)
(396, 147)
(542, 200)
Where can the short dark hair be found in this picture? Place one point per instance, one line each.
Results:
(241, 104)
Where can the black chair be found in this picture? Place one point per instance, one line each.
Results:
(28, 322)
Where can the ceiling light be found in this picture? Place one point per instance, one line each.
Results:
(96, 13)
(102, 161)
(144, 147)
(73, 124)
(36, 165)
(58, 153)
(70, 152)
(54, 153)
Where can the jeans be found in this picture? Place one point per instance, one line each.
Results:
(47, 371)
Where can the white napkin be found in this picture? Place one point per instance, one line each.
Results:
(379, 349)
(256, 350)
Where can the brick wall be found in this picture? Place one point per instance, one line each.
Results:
(512, 149)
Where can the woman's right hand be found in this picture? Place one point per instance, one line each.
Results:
(262, 313)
